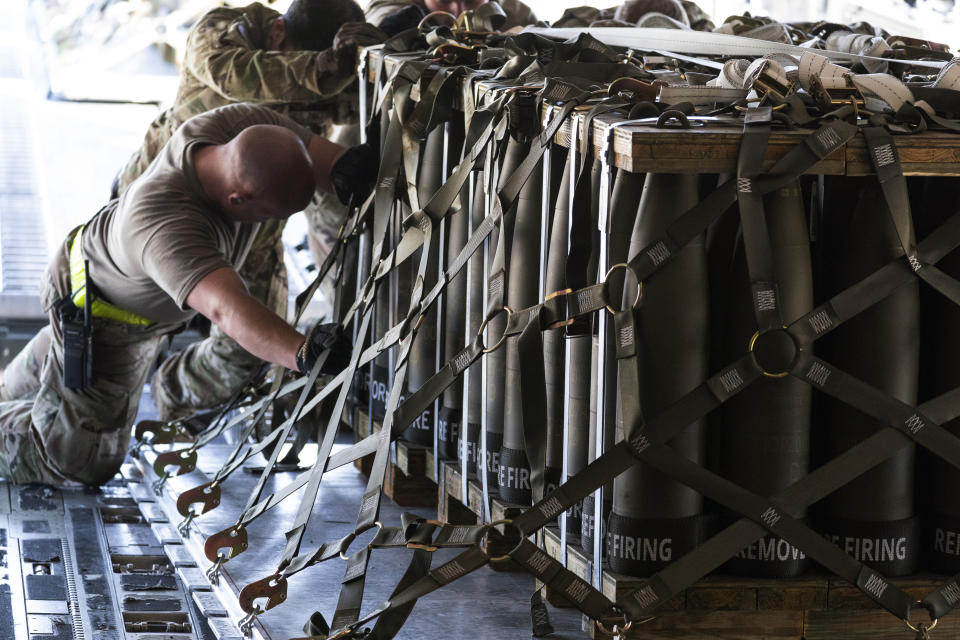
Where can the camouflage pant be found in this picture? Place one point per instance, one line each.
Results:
(55, 435)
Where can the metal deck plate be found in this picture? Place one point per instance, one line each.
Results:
(485, 604)
(82, 565)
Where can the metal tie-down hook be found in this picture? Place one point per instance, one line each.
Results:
(184, 527)
(157, 485)
(213, 573)
(246, 623)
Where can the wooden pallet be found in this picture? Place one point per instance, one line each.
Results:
(408, 480)
(453, 508)
(714, 149)
(813, 606)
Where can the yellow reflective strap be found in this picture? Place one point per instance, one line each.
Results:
(78, 285)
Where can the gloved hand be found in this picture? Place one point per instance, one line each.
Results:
(406, 18)
(352, 35)
(324, 337)
(355, 173)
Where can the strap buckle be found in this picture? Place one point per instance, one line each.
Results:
(634, 90)
(499, 541)
(453, 53)
(772, 90)
(836, 97)
(759, 115)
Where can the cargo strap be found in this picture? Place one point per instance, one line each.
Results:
(293, 562)
(181, 461)
(774, 514)
(610, 464)
(78, 287)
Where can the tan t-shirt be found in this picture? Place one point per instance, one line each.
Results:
(149, 249)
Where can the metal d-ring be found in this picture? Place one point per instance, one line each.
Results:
(753, 341)
(483, 327)
(626, 267)
(921, 628)
(353, 536)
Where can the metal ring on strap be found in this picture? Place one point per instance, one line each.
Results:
(674, 116)
(434, 14)
(753, 342)
(483, 327)
(491, 525)
(617, 631)
(628, 268)
(921, 628)
(353, 536)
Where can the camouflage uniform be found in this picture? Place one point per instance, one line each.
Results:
(518, 14)
(39, 417)
(592, 17)
(227, 61)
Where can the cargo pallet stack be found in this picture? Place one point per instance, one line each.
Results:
(663, 321)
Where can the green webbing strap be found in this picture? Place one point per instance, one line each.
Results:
(886, 164)
(292, 562)
(185, 459)
(795, 163)
(533, 405)
(835, 473)
(753, 221)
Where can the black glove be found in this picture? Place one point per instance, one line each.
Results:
(321, 338)
(354, 174)
(358, 34)
(348, 38)
(406, 18)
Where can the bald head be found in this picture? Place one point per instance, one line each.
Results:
(270, 165)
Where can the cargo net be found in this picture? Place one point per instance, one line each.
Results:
(467, 121)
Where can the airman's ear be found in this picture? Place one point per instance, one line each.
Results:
(278, 34)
